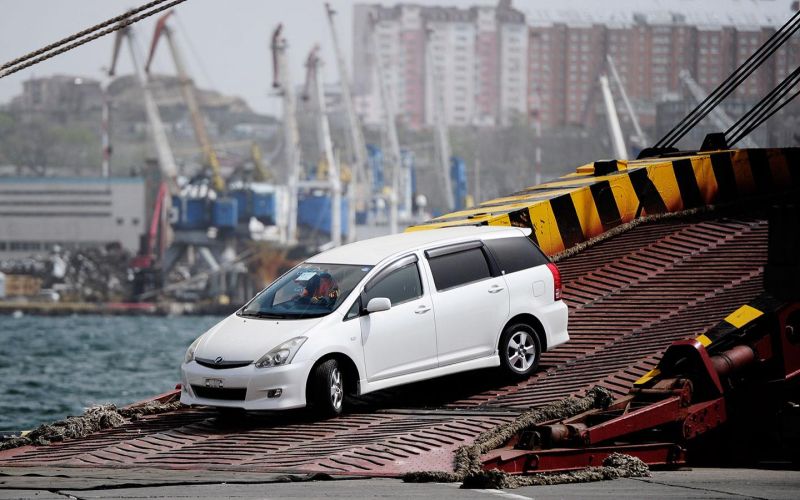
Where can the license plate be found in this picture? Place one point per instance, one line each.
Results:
(214, 383)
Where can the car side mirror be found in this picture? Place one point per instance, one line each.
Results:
(378, 304)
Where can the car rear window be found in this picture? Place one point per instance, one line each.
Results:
(459, 268)
(515, 254)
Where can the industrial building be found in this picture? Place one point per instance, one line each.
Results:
(38, 213)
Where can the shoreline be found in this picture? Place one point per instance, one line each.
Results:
(115, 308)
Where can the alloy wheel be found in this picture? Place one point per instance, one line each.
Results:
(521, 351)
(337, 389)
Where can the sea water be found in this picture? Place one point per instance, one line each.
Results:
(52, 367)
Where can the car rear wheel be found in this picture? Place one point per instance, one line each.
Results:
(328, 389)
(519, 350)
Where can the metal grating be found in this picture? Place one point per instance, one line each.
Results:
(629, 298)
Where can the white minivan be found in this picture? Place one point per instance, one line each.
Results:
(380, 313)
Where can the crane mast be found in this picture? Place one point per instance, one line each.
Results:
(282, 81)
(391, 129)
(189, 96)
(641, 138)
(314, 84)
(166, 160)
(617, 140)
(442, 138)
(361, 171)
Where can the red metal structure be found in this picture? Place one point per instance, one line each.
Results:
(146, 259)
(749, 360)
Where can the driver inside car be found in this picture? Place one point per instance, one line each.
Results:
(321, 289)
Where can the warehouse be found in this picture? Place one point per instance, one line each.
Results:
(38, 213)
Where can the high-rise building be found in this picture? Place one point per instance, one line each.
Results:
(650, 44)
(505, 63)
(479, 61)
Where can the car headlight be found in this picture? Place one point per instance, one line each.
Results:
(281, 355)
(190, 351)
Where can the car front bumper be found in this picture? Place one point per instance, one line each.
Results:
(246, 387)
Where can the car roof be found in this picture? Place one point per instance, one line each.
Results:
(372, 251)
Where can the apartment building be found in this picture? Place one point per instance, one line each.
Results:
(479, 60)
(541, 61)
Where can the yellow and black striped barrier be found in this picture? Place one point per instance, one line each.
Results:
(732, 326)
(601, 196)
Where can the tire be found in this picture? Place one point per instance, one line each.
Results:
(519, 350)
(327, 389)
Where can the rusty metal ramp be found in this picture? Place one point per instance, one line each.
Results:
(630, 296)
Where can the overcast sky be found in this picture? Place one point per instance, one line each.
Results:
(227, 42)
(227, 47)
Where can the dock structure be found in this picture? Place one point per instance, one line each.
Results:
(630, 296)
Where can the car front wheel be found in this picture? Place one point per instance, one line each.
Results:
(519, 350)
(327, 396)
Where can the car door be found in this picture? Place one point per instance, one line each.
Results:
(471, 302)
(403, 339)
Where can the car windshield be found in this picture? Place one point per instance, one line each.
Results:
(307, 291)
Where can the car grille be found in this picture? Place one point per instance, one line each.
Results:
(216, 393)
(209, 363)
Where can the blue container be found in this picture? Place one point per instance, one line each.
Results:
(224, 213)
(264, 207)
(314, 212)
(192, 213)
(242, 203)
(260, 205)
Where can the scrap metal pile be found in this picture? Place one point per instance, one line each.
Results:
(92, 274)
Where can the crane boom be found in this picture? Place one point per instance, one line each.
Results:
(261, 172)
(189, 96)
(442, 137)
(617, 140)
(362, 171)
(718, 115)
(282, 81)
(391, 129)
(641, 138)
(314, 84)
(166, 160)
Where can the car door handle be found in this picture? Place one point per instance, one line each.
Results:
(495, 289)
(422, 309)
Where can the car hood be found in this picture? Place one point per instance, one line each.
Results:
(247, 339)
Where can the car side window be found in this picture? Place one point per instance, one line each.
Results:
(515, 254)
(400, 285)
(459, 268)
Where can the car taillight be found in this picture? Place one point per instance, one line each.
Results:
(557, 286)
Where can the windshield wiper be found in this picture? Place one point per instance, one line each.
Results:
(260, 314)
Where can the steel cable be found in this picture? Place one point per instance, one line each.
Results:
(768, 109)
(47, 52)
(766, 103)
(731, 82)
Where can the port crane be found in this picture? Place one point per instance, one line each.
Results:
(283, 84)
(442, 138)
(393, 156)
(362, 175)
(315, 92)
(189, 96)
(612, 119)
(166, 160)
(718, 115)
(639, 138)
